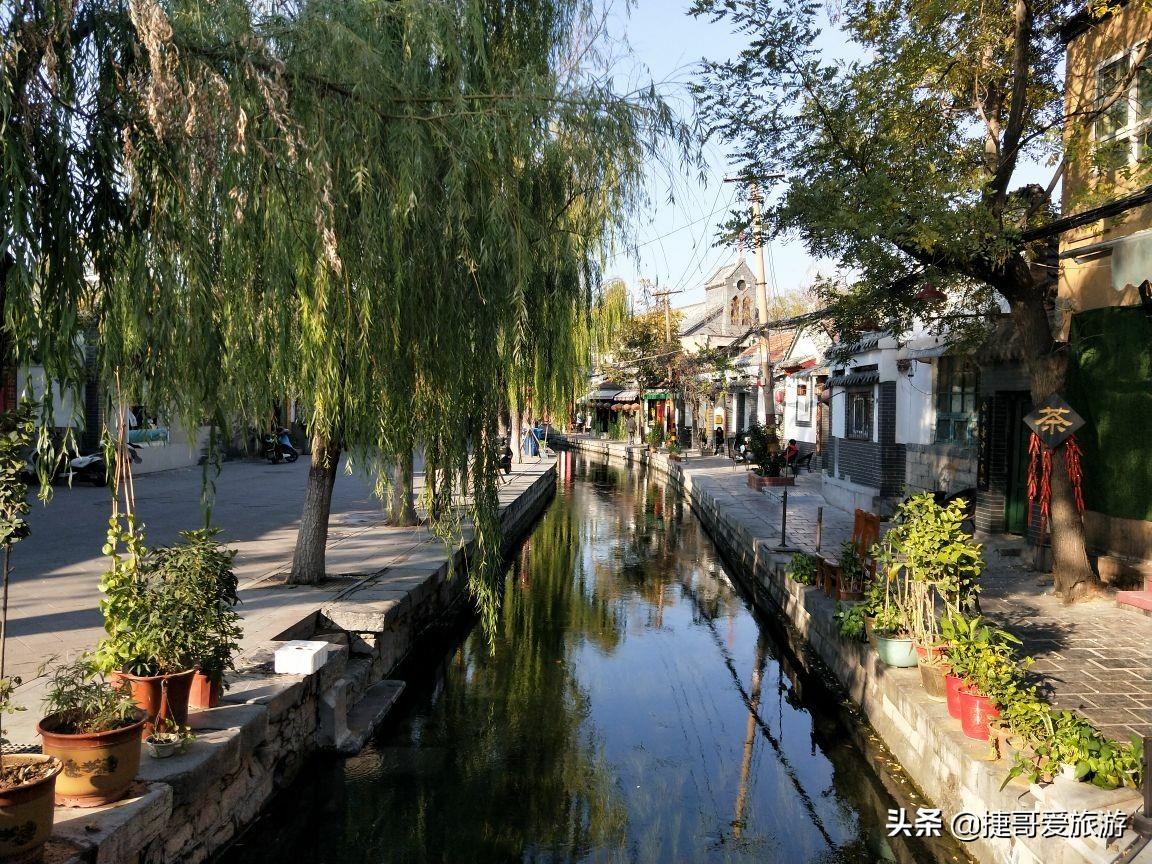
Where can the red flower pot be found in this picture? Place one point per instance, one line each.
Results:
(952, 688)
(161, 697)
(205, 693)
(975, 712)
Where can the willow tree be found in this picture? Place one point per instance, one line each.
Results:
(391, 212)
(904, 148)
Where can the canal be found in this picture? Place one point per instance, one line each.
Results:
(633, 708)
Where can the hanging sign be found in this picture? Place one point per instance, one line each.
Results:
(1053, 421)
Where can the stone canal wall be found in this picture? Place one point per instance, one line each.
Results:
(188, 807)
(956, 773)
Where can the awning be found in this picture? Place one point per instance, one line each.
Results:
(627, 396)
(810, 372)
(867, 342)
(929, 353)
(854, 379)
(603, 395)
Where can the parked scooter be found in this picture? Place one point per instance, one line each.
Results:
(280, 448)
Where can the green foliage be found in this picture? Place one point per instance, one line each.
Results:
(852, 565)
(248, 201)
(802, 568)
(850, 621)
(765, 448)
(932, 563)
(1054, 738)
(654, 438)
(87, 702)
(16, 435)
(673, 446)
(643, 352)
(984, 656)
(169, 609)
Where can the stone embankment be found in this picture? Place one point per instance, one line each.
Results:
(955, 772)
(188, 807)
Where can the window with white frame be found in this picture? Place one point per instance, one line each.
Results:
(1123, 130)
(803, 403)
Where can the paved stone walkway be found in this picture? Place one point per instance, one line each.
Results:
(1093, 657)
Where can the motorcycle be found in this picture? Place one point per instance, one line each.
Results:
(279, 448)
(90, 469)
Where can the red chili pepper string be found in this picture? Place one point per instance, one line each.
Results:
(1072, 457)
(1045, 488)
(1033, 473)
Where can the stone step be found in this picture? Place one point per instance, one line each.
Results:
(367, 715)
(1141, 600)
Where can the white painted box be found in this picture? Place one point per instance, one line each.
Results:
(300, 657)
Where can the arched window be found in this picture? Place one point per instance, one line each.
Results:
(746, 316)
(734, 315)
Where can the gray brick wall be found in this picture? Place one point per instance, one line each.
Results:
(940, 467)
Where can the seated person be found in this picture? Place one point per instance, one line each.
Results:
(791, 453)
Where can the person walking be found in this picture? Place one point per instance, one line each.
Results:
(717, 440)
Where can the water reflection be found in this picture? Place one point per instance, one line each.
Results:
(632, 709)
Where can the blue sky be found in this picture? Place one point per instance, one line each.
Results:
(676, 241)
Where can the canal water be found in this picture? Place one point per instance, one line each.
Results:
(632, 709)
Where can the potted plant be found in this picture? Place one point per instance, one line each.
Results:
(216, 642)
(675, 451)
(654, 439)
(768, 459)
(891, 634)
(168, 611)
(937, 564)
(167, 739)
(27, 781)
(985, 670)
(93, 727)
(803, 568)
(852, 574)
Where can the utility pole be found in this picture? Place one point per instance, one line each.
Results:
(669, 408)
(765, 411)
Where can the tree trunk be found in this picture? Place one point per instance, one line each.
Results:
(312, 539)
(515, 443)
(1047, 364)
(401, 500)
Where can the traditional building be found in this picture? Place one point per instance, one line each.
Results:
(1105, 288)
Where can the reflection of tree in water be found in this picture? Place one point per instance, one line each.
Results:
(524, 777)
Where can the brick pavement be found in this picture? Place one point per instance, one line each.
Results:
(1093, 657)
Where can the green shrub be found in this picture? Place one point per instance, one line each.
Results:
(169, 609)
(850, 621)
(86, 702)
(802, 568)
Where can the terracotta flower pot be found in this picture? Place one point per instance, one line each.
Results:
(952, 688)
(205, 693)
(98, 767)
(923, 652)
(161, 697)
(975, 712)
(26, 812)
(932, 676)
